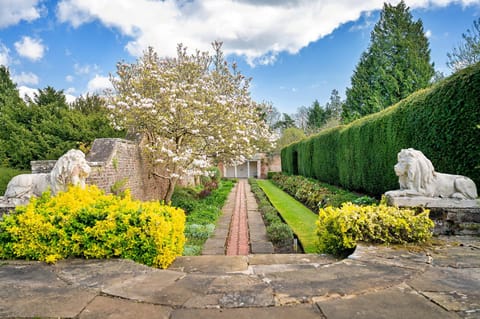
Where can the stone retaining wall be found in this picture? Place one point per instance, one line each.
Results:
(456, 221)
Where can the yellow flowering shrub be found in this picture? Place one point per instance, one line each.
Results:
(339, 229)
(88, 223)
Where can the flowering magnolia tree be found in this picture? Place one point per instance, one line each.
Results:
(193, 111)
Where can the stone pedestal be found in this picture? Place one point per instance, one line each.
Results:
(432, 202)
(6, 206)
(451, 216)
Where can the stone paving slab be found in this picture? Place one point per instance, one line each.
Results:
(339, 279)
(31, 289)
(210, 264)
(113, 308)
(144, 288)
(261, 247)
(303, 311)
(395, 303)
(276, 259)
(378, 282)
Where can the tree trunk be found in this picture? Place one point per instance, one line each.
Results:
(171, 188)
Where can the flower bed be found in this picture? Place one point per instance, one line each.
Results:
(202, 211)
(315, 194)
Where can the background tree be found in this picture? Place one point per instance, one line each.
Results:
(333, 108)
(316, 117)
(47, 127)
(271, 114)
(301, 118)
(286, 122)
(396, 64)
(192, 110)
(290, 135)
(468, 52)
(13, 111)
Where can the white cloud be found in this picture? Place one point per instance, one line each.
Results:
(99, 84)
(257, 30)
(85, 69)
(4, 55)
(70, 98)
(25, 78)
(13, 11)
(30, 48)
(27, 91)
(70, 90)
(428, 33)
(69, 78)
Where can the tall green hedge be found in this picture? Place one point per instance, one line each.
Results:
(442, 121)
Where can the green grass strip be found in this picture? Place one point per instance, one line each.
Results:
(298, 217)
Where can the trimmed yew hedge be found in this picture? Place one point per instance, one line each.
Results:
(442, 121)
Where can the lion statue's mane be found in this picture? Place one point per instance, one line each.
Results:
(417, 177)
(70, 169)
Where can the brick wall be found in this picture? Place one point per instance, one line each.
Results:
(117, 165)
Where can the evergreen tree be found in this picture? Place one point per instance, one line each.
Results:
(47, 127)
(285, 123)
(14, 115)
(316, 117)
(333, 109)
(468, 52)
(396, 64)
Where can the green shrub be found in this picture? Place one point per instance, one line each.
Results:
(441, 121)
(185, 198)
(87, 223)
(271, 174)
(192, 250)
(315, 194)
(339, 229)
(201, 232)
(279, 233)
(271, 218)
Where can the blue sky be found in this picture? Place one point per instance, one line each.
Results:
(296, 51)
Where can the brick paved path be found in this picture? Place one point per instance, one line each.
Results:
(238, 240)
(240, 209)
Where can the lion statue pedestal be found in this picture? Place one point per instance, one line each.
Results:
(70, 169)
(420, 185)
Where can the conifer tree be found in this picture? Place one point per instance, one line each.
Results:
(396, 64)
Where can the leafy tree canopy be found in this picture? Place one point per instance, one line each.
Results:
(289, 136)
(193, 110)
(468, 52)
(46, 126)
(286, 122)
(396, 64)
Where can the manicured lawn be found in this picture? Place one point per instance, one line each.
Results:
(300, 218)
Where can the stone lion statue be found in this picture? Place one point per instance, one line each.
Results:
(417, 177)
(70, 169)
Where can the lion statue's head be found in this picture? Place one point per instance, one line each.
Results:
(414, 170)
(70, 169)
